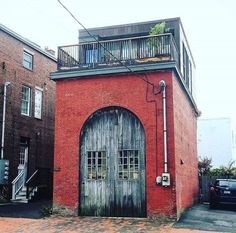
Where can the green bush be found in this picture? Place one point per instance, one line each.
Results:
(46, 211)
(205, 168)
(159, 28)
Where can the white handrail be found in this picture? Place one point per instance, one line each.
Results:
(18, 177)
(17, 184)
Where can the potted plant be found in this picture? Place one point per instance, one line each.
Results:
(156, 42)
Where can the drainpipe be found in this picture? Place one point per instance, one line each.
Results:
(163, 89)
(4, 116)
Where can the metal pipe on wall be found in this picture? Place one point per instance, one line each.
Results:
(4, 117)
(163, 89)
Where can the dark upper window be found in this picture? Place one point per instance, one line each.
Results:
(187, 69)
(91, 56)
(28, 60)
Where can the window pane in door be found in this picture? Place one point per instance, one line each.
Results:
(96, 165)
(128, 164)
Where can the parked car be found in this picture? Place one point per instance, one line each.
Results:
(223, 191)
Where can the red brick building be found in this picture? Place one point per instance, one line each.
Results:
(125, 126)
(29, 119)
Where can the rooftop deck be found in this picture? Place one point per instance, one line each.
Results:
(118, 52)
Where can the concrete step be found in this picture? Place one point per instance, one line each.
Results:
(20, 197)
(32, 193)
(22, 193)
(22, 200)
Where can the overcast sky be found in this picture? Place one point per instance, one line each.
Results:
(209, 26)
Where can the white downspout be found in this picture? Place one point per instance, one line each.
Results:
(163, 89)
(3, 117)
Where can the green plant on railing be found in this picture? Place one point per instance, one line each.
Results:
(155, 42)
(158, 29)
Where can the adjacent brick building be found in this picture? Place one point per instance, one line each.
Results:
(116, 151)
(29, 126)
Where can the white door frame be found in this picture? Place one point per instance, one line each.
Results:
(24, 166)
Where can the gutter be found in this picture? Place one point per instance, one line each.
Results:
(4, 117)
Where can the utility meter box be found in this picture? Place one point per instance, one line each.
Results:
(165, 179)
(4, 171)
(158, 180)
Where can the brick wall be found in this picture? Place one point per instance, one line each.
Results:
(77, 99)
(185, 146)
(40, 132)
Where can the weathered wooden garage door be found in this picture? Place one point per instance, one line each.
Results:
(112, 165)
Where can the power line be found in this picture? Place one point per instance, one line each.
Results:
(91, 35)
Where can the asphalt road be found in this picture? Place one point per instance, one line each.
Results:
(24, 210)
(222, 219)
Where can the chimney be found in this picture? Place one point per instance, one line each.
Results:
(51, 51)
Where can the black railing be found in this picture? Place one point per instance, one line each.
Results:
(41, 178)
(137, 50)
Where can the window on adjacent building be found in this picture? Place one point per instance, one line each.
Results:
(28, 60)
(38, 103)
(25, 100)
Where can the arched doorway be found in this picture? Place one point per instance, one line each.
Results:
(112, 164)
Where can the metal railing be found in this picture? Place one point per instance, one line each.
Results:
(31, 183)
(18, 183)
(41, 178)
(136, 50)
